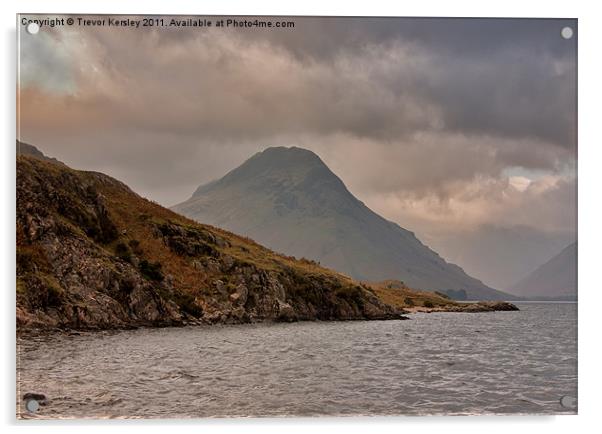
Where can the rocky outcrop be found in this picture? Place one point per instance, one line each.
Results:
(481, 306)
(491, 306)
(91, 254)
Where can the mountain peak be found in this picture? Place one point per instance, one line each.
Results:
(286, 157)
(277, 166)
(288, 151)
(289, 200)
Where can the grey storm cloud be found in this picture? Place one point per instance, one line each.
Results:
(513, 77)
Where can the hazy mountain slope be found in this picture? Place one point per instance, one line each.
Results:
(289, 200)
(556, 279)
(500, 256)
(93, 254)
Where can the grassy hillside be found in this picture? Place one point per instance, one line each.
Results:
(397, 294)
(93, 254)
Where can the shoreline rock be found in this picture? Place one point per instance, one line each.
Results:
(25, 333)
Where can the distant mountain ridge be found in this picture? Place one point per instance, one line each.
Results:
(289, 200)
(500, 255)
(554, 280)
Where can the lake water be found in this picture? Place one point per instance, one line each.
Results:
(439, 363)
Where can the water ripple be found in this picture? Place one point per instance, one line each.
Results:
(439, 363)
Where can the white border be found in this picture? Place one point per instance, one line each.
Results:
(590, 218)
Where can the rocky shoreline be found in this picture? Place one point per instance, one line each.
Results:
(403, 314)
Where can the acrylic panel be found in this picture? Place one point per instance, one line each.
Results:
(295, 216)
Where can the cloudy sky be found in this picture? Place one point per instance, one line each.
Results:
(450, 127)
